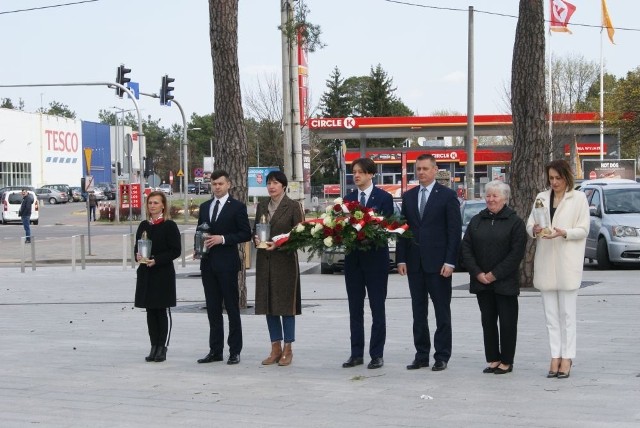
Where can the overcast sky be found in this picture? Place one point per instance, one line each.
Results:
(424, 49)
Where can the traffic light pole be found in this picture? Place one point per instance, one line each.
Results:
(109, 85)
(185, 163)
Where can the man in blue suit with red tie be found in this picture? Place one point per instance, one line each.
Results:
(228, 226)
(367, 272)
(428, 258)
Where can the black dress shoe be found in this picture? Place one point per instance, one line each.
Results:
(210, 358)
(417, 364)
(233, 359)
(376, 363)
(352, 362)
(439, 366)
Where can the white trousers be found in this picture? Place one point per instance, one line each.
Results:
(560, 313)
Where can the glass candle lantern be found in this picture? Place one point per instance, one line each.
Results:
(144, 248)
(263, 230)
(202, 233)
(540, 218)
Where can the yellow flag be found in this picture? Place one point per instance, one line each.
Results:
(606, 21)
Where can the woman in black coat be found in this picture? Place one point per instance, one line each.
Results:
(492, 249)
(156, 279)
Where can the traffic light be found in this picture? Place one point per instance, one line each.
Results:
(122, 78)
(148, 166)
(165, 90)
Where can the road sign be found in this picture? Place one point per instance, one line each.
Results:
(198, 172)
(198, 180)
(180, 173)
(171, 177)
(88, 183)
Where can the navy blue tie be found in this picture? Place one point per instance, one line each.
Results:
(362, 199)
(214, 216)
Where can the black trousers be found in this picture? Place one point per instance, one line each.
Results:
(496, 309)
(422, 286)
(367, 274)
(219, 288)
(158, 324)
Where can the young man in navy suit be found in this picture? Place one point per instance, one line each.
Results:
(428, 258)
(228, 226)
(367, 272)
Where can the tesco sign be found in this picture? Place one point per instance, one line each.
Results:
(61, 141)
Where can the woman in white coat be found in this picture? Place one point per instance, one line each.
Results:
(559, 260)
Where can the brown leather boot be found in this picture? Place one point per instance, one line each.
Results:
(274, 356)
(287, 355)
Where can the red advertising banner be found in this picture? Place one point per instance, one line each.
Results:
(331, 189)
(586, 149)
(130, 194)
(303, 74)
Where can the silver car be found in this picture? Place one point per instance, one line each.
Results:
(52, 196)
(614, 226)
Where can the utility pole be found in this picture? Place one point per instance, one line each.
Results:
(470, 175)
(291, 105)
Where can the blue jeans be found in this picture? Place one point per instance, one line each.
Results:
(277, 328)
(26, 223)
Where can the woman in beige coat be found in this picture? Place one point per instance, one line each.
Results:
(277, 271)
(558, 262)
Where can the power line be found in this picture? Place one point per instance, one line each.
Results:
(453, 9)
(47, 7)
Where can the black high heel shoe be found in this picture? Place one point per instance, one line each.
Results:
(152, 354)
(552, 373)
(565, 375)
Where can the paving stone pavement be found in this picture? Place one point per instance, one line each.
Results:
(72, 350)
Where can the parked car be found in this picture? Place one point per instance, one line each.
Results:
(202, 188)
(109, 190)
(333, 260)
(65, 188)
(4, 189)
(11, 201)
(52, 196)
(78, 194)
(100, 196)
(191, 188)
(468, 209)
(614, 225)
(166, 188)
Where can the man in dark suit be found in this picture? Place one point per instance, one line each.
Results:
(228, 226)
(428, 259)
(367, 272)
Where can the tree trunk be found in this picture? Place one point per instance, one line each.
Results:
(229, 134)
(528, 110)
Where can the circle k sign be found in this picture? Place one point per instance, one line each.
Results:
(349, 122)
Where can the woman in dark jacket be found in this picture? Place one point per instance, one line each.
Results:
(492, 249)
(277, 272)
(156, 279)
